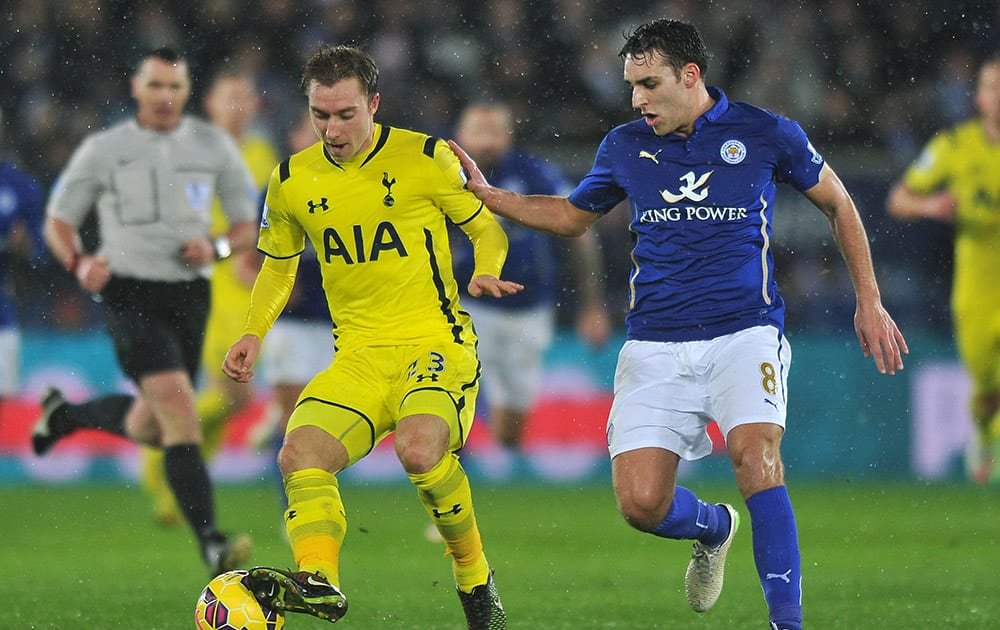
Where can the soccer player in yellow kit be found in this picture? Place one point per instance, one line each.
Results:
(374, 200)
(231, 103)
(957, 179)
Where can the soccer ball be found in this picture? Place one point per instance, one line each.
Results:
(227, 604)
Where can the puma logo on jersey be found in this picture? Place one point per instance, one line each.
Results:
(651, 156)
(689, 189)
(779, 576)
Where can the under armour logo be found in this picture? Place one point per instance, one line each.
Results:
(388, 200)
(689, 190)
(421, 377)
(652, 156)
(780, 576)
(290, 515)
(321, 205)
(455, 509)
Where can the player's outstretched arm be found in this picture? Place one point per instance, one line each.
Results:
(907, 205)
(547, 213)
(878, 334)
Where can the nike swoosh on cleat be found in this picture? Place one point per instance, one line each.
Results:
(312, 582)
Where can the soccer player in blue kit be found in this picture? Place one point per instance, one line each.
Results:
(515, 332)
(704, 331)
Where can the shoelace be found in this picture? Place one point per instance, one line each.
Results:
(704, 558)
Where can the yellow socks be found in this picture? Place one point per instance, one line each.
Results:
(315, 521)
(214, 408)
(153, 479)
(444, 490)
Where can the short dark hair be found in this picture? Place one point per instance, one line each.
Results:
(164, 53)
(678, 43)
(330, 64)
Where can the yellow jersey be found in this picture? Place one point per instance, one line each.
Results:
(378, 225)
(963, 161)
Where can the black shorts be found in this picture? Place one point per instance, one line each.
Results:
(157, 326)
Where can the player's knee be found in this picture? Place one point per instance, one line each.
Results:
(643, 508)
(421, 441)
(300, 454)
(418, 457)
(756, 470)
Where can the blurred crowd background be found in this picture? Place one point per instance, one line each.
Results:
(869, 80)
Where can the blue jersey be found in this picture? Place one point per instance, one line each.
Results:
(702, 215)
(531, 257)
(21, 203)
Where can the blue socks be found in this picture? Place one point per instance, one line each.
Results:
(776, 554)
(690, 518)
(775, 544)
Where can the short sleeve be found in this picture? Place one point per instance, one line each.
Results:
(598, 191)
(280, 236)
(930, 171)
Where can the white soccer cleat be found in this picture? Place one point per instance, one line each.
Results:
(705, 572)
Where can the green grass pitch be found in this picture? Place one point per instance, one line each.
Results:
(900, 555)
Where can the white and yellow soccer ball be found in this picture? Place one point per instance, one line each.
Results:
(226, 603)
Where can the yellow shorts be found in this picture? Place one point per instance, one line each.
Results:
(977, 336)
(366, 391)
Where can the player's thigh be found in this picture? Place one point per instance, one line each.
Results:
(511, 348)
(747, 377)
(346, 401)
(440, 379)
(977, 337)
(658, 403)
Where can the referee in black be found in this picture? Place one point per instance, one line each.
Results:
(152, 179)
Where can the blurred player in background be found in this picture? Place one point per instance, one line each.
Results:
(152, 180)
(956, 179)
(705, 327)
(515, 332)
(231, 103)
(22, 213)
(374, 200)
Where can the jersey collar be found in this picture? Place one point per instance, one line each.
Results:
(380, 133)
(716, 111)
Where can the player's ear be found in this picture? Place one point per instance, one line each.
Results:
(690, 74)
(373, 105)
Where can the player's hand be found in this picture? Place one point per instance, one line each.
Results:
(477, 181)
(92, 273)
(495, 287)
(593, 325)
(198, 252)
(941, 206)
(238, 364)
(880, 338)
